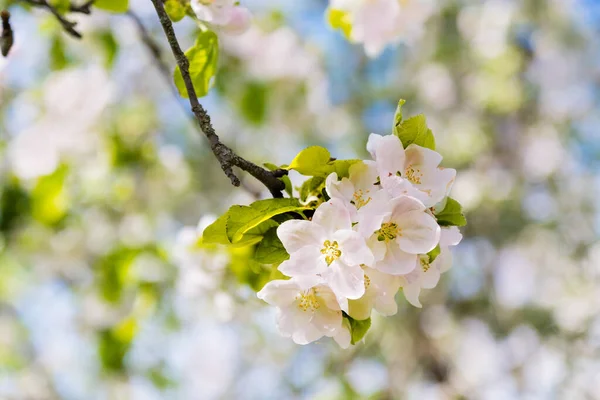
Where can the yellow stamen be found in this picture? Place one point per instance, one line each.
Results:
(388, 232)
(358, 198)
(331, 251)
(307, 300)
(413, 174)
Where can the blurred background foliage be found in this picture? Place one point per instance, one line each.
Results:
(103, 177)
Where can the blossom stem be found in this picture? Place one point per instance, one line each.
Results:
(226, 156)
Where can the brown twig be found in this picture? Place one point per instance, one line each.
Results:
(7, 36)
(226, 156)
(68, 26)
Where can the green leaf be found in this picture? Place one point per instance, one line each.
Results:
(316, 161)
(62, 6)
(254, 102)
(116, 6)
(358, 328)
(340, 20)
(243, 218)
(175, 9)
(216, 233)
(310, 160)
(203, 57)
(50, 199)
(398, 114)
(434, 253)
(312, 186)
(415, 130)
(270, 250)
(452, 214)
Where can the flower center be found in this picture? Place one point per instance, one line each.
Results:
(358, 198)
(388, 231)
(367, 282)
(425, 264)
(331, 251)
(414, 175)
(307, 300)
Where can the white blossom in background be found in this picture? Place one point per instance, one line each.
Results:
(66, 127)
(378, 23)
(226, 15)
(426, 275)
(306, 314)
(327, 247)
(200, 269)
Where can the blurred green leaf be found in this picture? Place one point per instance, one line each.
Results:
(340, 20)
(50, 201)
(254, 102)
(175, 9)
(203, 57)
(115, 6)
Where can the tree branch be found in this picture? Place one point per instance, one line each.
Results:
(226, 156)
(68, 26)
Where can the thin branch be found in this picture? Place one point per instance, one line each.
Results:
(68, 26)
(226, 156)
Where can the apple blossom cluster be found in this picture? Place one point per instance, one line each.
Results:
(359, 232)
(378, 23)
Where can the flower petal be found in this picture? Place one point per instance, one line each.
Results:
(342, 336)
(332, 216)
(411, 293)
(279, 293)
(345, 280)
(296, 234)
(354, 248)
(306, 261)
(420, 232)
(450, 236)
(389, 155)
(430, 278)
(396, 261)
(422, 156)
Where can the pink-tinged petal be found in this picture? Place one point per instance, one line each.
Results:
(354, 248)
(436, 184)
(404, 204)
(280, 293)
(378, 248)
(327, 321)
(372, 144)
(419, 232)
(371, 216)
(332, 216)
(450, 236)
(342, 336)
(422, 156)
(240, 20)
(336, 189)
(305, 334)
(296, 234)
(396, 261)
(411, 293)
(430, 278)
(386, 305)
(306, 261)
(345, 281)
(306, 282)
(443, 262)
(390, 156)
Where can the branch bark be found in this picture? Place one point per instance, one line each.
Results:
(226, 156)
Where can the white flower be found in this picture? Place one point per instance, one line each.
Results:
(306, 314)
(327, 246)
(380, 292)
(358, 189)
(426, 275)
(414, 172)
(398, 230)
(225, 14)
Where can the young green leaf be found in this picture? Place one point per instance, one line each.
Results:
(415, 130)
(434, 253)
(270, 250)
(452, 214)
(115, 6)
(358, 328)
(203, 57)
(398, 114)
(316, 161)
(243, 218)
